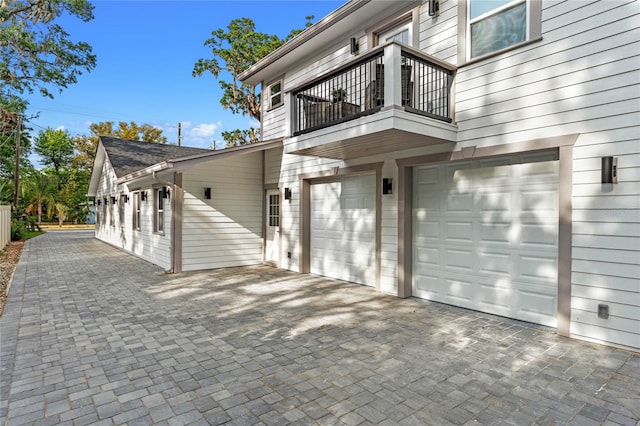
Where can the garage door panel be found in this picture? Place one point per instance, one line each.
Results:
(499, 201)
(485, 236)
(458, 260)
(494, 263)
(538, 268)
(428, 287)
(462, 203)
(495, 233)
(427, 176)
(539, 201)
(496, 298)
(459, 231)
(428, 257)
(458, 291)
(539, 235)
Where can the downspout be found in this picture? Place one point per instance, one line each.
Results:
(172, 238)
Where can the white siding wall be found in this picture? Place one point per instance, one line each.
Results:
(272, 165)
(581, 78)
(227, 229)
(150, 246)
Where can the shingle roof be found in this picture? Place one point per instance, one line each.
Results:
(127, 156)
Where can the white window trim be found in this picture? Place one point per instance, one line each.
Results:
(395, 30)
(271, 95)
(534, 24)
(158, 225)
(137, 211)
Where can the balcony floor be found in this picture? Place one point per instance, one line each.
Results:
(391, 129)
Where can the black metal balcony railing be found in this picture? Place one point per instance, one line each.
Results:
(430, 83)
(358, 90)
(350, 93)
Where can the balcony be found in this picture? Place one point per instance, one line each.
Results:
(391, 99)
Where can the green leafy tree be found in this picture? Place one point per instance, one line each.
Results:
(10, 111)
(240, 137)
(235, 50)
(38, 191)
(73, 195)
(55, 147)
(86, 145)
(35, 52)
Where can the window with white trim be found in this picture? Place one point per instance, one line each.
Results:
(158, 223)
(274, 210)
(136, 210)
(275, 94)
(402, 33)
(494, 25)
(121, 200)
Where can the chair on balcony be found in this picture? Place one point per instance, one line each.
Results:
(374, 92)
(315, 110)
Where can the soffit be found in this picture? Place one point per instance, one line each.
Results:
(345, 22)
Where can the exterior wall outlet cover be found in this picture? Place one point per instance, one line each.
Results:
(603, 311)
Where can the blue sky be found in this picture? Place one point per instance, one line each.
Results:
(146, 51)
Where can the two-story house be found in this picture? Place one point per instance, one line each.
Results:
(483, 154)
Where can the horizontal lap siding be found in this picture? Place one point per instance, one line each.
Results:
(582, 77)
(150, 246)
(227, 229)
(272, 166)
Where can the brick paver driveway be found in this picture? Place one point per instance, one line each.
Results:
(92, 335)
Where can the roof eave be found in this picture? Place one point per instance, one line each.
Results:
(302, 38)
(96, 171)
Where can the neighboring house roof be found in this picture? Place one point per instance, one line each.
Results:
(127, 156)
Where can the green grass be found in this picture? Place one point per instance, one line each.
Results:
(31, 234)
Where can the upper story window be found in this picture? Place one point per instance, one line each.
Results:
(495, 25)
(275, 94)
(402, 34)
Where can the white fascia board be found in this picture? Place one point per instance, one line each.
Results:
(96, 171)
(188, 162)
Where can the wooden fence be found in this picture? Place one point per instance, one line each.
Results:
(5, 226)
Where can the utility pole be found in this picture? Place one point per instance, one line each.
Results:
(16, 175)
(179, 133)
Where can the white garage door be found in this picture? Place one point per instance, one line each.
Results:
(343, 229)
(485, 236)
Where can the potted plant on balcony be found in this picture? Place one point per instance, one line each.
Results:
(339, 95)
(340, 108)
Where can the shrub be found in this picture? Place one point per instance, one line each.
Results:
(18, 230)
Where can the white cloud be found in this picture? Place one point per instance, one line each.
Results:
(201, 135)
(205, 130)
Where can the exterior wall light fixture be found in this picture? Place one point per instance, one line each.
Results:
(164, 193)
(287, 194)
(143, 195)
(434, 7)
(207, 193)
(609, 170)
(387, 186)
(355, 46)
